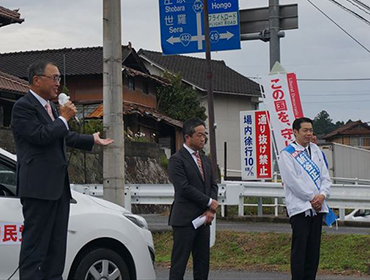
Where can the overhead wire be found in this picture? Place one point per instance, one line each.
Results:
(358, 6)
(334, 80)
(323, 80)
(362, 4)
(338, 101)
(339, 26)
(350, 11)
(338, 95)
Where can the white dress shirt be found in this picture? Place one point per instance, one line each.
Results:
(43, 103)
(299, 190)
(191, 151)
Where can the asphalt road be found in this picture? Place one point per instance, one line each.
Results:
(162, 274)
(158, 222)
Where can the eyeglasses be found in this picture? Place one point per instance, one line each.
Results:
(55, 78)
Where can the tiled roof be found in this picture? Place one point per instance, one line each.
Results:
(78, 61)
(193, 70)
(350, 129)
(10, 83)
(8, 16)
(132, 72)
(131, 108)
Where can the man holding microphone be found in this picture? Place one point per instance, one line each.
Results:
(41, 136)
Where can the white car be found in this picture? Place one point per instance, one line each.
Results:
(359, 215)
(105, 241)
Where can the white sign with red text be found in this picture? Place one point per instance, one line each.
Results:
(256, 149)
(281, 97)
(10, 233)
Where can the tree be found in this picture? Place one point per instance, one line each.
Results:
(323, 124)
(179, 101)
(65, 89)
(339, 124)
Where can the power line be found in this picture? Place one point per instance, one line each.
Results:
(339, 26)
(350, 11)
(362, 4)
(336, 101)
(340, 91)
(324, 80)
(334, 80)
(326, 63)
(358, 7)
(349, 94)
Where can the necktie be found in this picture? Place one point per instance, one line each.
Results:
(307, 152)
(48, 109)
(199, 162)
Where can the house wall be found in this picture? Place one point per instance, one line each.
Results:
(227, 109)
(138, 95)
(353, 140)
(153, 70)
(90, 87)
(227, 113)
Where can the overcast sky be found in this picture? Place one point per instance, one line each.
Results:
(317, 50)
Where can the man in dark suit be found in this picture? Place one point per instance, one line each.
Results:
(41, 136)
(195, 195)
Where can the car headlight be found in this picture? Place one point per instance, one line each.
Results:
(137, 220)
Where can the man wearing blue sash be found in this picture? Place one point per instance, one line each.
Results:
(307, 185)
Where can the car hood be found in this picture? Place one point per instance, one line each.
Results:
(101, 202)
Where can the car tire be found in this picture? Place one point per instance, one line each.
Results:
(100, 263)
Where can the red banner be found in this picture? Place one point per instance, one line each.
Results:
(294, 95)
(263, 146)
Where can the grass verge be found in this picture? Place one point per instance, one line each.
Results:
(340, 254)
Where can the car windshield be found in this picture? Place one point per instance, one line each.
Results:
(8, 178)
(362, 213)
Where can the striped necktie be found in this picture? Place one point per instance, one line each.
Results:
(199, 162)
(48, 109)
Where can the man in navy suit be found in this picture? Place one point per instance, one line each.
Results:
(195, 195)
(41, 136)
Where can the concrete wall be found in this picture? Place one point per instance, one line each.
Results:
(141, 162)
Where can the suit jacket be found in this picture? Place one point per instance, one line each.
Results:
(41, 149)
(192, 193)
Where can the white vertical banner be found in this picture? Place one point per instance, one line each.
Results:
(282, 101)
(256, 149)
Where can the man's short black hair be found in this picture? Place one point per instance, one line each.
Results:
(297, 122)
(37, 68)
(189, 126)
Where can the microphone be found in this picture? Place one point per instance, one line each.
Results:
(62, 100)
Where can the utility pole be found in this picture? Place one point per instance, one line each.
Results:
(113, 155)
(211, 111)
(274, 12)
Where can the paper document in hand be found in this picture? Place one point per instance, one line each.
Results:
(197, 222)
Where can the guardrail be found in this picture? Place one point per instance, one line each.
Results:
(343, 196)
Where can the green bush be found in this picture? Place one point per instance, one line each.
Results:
(163, 161)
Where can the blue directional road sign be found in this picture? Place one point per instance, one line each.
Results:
(182, 25)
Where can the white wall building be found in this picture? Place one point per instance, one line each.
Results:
(232, 93)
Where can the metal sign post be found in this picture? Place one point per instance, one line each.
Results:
(189, 26)
(267, 23)
(211, 113)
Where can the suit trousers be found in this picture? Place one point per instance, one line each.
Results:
(305, 250)
(44, 238)
(185, 240)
